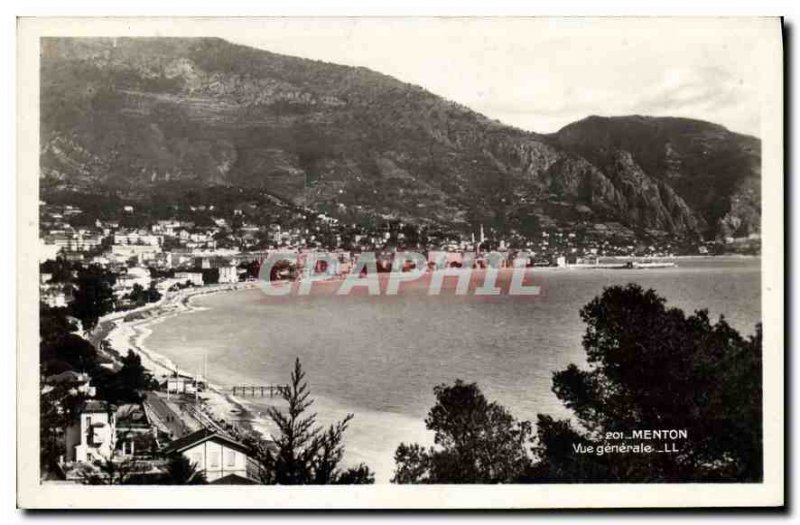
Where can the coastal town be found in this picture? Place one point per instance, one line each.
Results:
(137, 418)
(215, 248)
(298, 256)
(108, 276)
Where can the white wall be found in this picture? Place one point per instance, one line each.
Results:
(217, 460)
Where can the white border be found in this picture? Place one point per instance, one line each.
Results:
(33, 495)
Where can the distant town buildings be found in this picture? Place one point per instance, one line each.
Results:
(228, 274)
(136, 275)
(193, 278)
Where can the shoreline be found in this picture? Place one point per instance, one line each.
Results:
(372, 431)
(128, 330)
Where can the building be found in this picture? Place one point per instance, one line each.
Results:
(216, 455)
(48, 251)
(134, 432)
(195, 278)
(136, 275)
(228, 274)
(234, 479)
(91, 435)
(75, 382)
(138, 238)
(55, 295)
(181, 385)
(80, 241)
(442, 259)
(142, 252)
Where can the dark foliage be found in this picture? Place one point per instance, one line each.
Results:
(653, 367)
(67, 352)
(322, 135)
(94, 296)
(127, 384)
(181, 471)
(306, 454)
(140, 297)
(360, 475)
(477, 441)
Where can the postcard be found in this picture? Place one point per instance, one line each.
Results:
(429, 263)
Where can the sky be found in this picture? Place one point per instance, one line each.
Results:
(541, 74)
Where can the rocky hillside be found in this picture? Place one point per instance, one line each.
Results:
(713, 171)
(139, 117)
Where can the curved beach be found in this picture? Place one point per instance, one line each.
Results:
(128, 331)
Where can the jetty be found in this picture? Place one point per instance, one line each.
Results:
(256, 390)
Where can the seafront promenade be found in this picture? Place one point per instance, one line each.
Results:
(176, 414)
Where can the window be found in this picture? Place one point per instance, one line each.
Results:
(213, 460)
(231, 458)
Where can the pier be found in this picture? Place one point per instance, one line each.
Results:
(254, 390)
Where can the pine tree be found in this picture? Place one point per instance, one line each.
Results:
(306, 453)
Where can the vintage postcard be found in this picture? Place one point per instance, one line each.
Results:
(400, 263)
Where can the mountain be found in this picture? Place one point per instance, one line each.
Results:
(139, 117)
(712, 170)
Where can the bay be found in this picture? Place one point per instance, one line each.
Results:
(380, 357)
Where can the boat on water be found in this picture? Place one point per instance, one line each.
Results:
(627, 265)
(635, 265)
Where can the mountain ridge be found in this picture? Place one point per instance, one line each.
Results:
(135, 116)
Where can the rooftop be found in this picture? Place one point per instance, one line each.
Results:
(95, 406)
(201, 436)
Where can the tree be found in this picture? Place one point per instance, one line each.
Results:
(60, 270)
(476, 441)
(132, 375)
(306, 454)
(181, 471)
(59, 348)
(94, 295)
(55, 412)
(126, 385)
(152, 295)
(210, 275)
(360, 475)
(71, 349)
(653, 367)
(110, 472)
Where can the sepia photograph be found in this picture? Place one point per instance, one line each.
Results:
(411, 262)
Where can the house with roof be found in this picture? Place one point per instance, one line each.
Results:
(217, 455)
(91, 435)
(76, 383)
(195, 278)
(135, 434)
(181, 385)
(234, 479)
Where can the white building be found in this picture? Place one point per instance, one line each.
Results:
(141, 251)
(195, 278)
(228, 274)
(91, 435)
(137, 237)
(136, 275)
(48, 251)
(216, 455)
(181, 385)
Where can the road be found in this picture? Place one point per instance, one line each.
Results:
(170, 417)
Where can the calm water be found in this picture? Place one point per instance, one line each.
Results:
(381, 357)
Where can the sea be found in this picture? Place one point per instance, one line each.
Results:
(379, 358)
